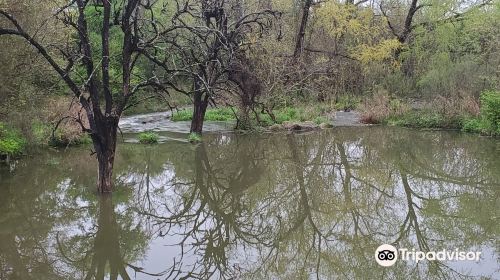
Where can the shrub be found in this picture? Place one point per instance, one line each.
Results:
(488, 122)
(148, 138)
(490, 111)
(474, 125)
(347, 103)
(11, 142)
(380, 107)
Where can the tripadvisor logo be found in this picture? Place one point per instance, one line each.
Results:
(387, 255)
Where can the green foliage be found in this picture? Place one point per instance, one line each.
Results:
(474, 125)
(11, 141)
(488, 122)
(288, 114)
(490, 111)
(424, 119)
(148, 138)
(194, 138)
(217, 114)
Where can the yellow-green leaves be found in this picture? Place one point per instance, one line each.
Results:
(363, 35)
(383, 51)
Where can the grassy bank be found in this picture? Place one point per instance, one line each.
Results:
(464, 114)
(317, 113)
(34, 126)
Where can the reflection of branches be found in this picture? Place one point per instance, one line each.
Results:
(440, 269)
(210, 215)
(411, 220)
(437, 175)
(305, 210)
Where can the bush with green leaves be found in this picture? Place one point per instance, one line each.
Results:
(149, 138)
(488, 122)
(490, 111)
(11, 142)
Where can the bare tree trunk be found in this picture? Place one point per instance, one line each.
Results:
(105, 148)
(200, 107)
(299, 43)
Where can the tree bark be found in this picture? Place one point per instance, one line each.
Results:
(105, 148)
(299, 43)
(200, 107)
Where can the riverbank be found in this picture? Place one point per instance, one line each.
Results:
(465, 115)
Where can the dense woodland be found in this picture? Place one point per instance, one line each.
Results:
(69, 70)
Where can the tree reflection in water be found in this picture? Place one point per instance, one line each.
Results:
(296, 206)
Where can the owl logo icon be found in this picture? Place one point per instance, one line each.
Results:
(386, 255)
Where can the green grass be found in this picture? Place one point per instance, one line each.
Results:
(314, 113)
(216, 114)
(184, 115)
(425, 119)
(11, 142)
(148, 138)
(194, 137)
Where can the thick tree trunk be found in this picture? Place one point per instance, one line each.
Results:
(105, 147)
(200, 107)
(299, 42)
(105, 171)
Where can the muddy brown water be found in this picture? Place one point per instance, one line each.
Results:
(258, 206)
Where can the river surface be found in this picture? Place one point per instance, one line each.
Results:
(288, 206)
